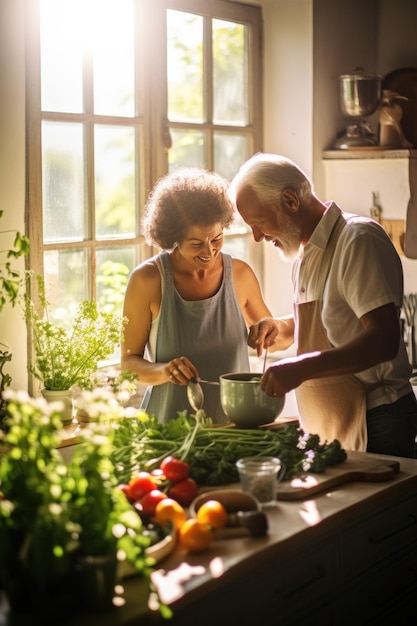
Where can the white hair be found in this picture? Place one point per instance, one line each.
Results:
(268, 175)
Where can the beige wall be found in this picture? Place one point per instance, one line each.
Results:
(12, 168)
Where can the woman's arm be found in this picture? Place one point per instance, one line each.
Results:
(141, 305)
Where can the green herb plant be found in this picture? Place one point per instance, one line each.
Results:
(54, 513)
(10, 283)
(10, 278)
(68, 353)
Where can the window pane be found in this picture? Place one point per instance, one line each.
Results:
(63, 182)
(115, 181)
(238, 247)
(113, 268)
(230, 152)
(185, 67)
(113, 57)
(230, 73)
(188, 149)
(66, 278)
(61, 55)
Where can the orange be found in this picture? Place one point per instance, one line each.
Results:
(213, 513)
(169, 510)
(195, 536)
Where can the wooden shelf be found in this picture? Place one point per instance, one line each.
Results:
(368, 152)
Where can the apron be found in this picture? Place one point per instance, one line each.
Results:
(332, 407)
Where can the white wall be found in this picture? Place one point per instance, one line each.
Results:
(350, 184)
(288, 98)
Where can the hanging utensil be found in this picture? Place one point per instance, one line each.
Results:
(409, 308)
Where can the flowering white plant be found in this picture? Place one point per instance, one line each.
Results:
(69, 354)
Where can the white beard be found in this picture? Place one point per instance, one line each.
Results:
(290, 241)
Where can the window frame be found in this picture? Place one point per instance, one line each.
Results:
(153, 122)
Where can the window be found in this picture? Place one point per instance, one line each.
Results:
(119, 93)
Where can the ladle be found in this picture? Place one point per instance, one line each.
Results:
(195, 395)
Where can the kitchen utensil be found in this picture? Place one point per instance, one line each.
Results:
(356, 468)
(404, 82)
(410, 237)
(256, 522)
(208, 382)
(265, 356)
(195, 395)
(359, 95)
(244, 402)
(409, 308)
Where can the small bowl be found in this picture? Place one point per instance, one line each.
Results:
(246, 519)
(233, 500)
(161, 549)
(245, 403)
(157, 551)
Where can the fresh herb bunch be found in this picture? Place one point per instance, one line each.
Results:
(53, 513)
(67, 354)
(212, 452)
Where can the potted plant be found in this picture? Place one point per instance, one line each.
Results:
(10, 282)
(59, 522)
(120, 384)
(68, 353)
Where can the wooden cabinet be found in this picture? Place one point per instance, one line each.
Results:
(364, 572)
(379, 564)
(285, 588)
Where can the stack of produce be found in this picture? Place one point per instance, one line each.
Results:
(141, 443)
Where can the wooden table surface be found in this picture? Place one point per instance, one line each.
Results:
(291, 524)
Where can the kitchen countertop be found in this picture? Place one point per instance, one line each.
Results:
(293, 526)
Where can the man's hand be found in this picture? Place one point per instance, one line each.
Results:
(286, 374)
(263, 334)
(272, 334)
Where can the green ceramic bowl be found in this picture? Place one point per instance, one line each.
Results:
(244, 402)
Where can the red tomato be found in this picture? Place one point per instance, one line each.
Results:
(140, 484)
(184, 491)
(150, 500)
(174, 469)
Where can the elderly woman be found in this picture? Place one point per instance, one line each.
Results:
(189, 307)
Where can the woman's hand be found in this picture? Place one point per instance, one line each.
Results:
(180, 370)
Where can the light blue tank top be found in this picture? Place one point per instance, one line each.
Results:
(212, 333)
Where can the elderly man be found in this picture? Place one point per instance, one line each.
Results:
(351, 373)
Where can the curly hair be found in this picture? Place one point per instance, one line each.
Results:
(183, 198)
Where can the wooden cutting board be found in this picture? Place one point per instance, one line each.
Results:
(357, 467)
